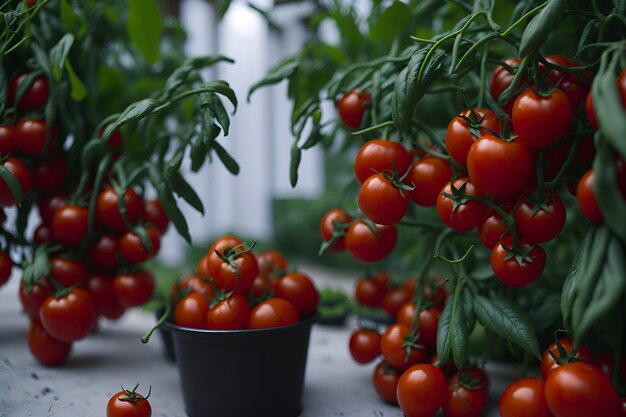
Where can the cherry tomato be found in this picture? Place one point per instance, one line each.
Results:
(23, 176)
(132, 248)
(574, 85)
(586, 196)
(45, 348)
(232, 313)
(247, 269)
(299, 290)
(49, 176)
(154, 213)
(49, 205)
(339, 217)
(491, 229)
(466, 215)
(524, 398)
(381, 201)
(509, 271)
(271, 263)
(370, 292)
(541, 121)
(261, 287)
(193, 283)
(501, 79)
(428, 175)
(104, 251)
(590, 111)
(549, 364)
(460, 136)
(393, 347)
(352, 106)
(31, 137)
(395, 298)
(385, 380)
(128, 404)
(35, 96)
(499, 168)
(366, 246)
(6, 267)
(378, 155)
(428, 321)
(108, 212)
(274, 312)
(581, 390)
(540, 222)
(70, 224)
(133, 289)
(8, 141)
(69, 317)
(42, 234)
(421, 390)
(364, 345)
(191, 311)
(33, 298)
(68, 271)
(213, 263)
(466, 399)
(104, 298)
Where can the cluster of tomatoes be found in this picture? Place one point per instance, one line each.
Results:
(235, 289)
(409, 373)
(92, 270)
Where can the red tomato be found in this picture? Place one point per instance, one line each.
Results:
(393, 347)
(428, 321)
(69, 317)
(154, 213)
(299, 290)
(428, 175)
(421, 390)
(108, 211)
(381, 201)
(35, 96)
(366, 246)
(543, 221)
(31, 137)
(466, 399)
(104, 251)
(49, 205)
(499, 168)
(364, 345)
(501, 79)
(509, 271)
(241, 280)
(466, 215)
(352, 106)
(70, 224)
(21, 173)
(232, 313)
(549, 364)
(574, 85)
(395, 298)
(447, 368)
(128, 404)
(33, 298)
(213, 263)
(261, 287)
(193, 283)
(133, 289)
(541, 121)
(42, 234)
(590, 111)
(586, 196)
(581, 390)
(49, 176)
(45, 348)
(271, 263)
(191, 311)
(6, 267)
(370, 292)
(460, 136)
(524, 398)
(68, 272)
(385, 380)
(132, 248)
(334, 216)
(491, 229)
(274, 312)
(378, 155)
(8, 141)
(104, 297)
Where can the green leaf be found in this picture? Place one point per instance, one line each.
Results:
(71, 21)
(609, 110)
(182, 188)
(145, 26)
(39, 267)
(444, 345)
(12, 183)
(548, 312)
(169, 203)
(216, 105)
(611, 200)
(507, 320)
(222, 8)
(294, 164)
(459, 336)
(284, 69)
(391, 23)
(545, 22)
(79, 91)
(59, 53)
(198, 154)
(189, 69)
(570, 286)
(132, 113)
(228, 161)
(483, 5)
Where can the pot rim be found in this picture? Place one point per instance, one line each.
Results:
(303, 323)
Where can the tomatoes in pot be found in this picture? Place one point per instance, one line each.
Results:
(23, 176)
(31, 137)
(299, 290)
(460, 213)
(460, 135)
(382, 200)
(49, 176)
(364, 345)
(524, 398)
(8, 141)
(233, 313)
(540, 221)
(70, 224)
(103, 295)
(428, 175)
(274, 312)
(68, 272)
(421, 390)
(108, 211)
(133, 289)
(363, 244)
(191, 311)
(212, 262)
(378, 155)
(193, 283)
(272, 263)
(6, 267)
(45, 348)
(351, 107)
(129, 404)
(394, 347)
(133, 249)
(240, 279)
(516, 272)
(385, 380)
(334, 218)
(370, 292)
(154, 213)
(69, 317)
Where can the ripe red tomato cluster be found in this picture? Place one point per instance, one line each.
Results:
(235, 289)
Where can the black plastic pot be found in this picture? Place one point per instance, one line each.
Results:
(242, 373)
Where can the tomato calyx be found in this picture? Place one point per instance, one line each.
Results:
(397, 181)
(458, 195)
(133, 396)
(231, 254)
(410, 343)
(474, 123)
(339, 230)
(388, 369)
(564, 357)
(467, 380)
(518, 253)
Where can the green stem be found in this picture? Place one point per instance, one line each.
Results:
(373, 128)
(168, 310)
(522, 19)
(565, 167)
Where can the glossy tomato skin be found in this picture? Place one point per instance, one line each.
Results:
(193, 283)
(33, 298)
(48, 205)
(428, 175)
(351, 107)
(421, 390)
(326, 227)
(462, 401)
(232, 313)
(133, 289)
(370, 292)
(548, 364)
(524, 398)
(378, 155)
(459, 137)
(574, 85)
(392, 347)
(8, 141)
(428, 321)
(261, 287)
(272, 263)
(132, 248)
(509, 271)
(299, 290)
(191, 311)
(68, 271)
(154, 213)
(70, 317)
(31, 137)
(581, 390)
(541, 121)
(104, 252)
(586, 196)
(498, 167)
(45, 348)
(381, 201)
(108, 212)
(364, 345)
(6, 267)
(116, 407)
(385, 380)
(35, 96)
(395, 298)
(248, 268)
(23, 176)
(49, 176)
(213, 263)
(501, 79)
(70, 224)
(590, 111)
(365, 246)
(42, 234)
(104, 298)
(466, 216)
(491, 229)
(547, 221)
(274, 312)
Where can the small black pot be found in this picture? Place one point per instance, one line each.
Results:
(242, 373)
